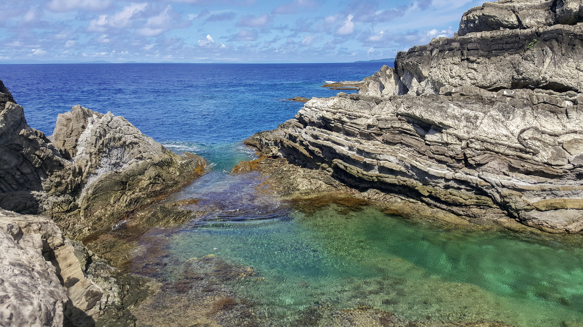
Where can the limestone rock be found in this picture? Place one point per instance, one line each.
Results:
(26, 158)
(115, 169)
(99, 168)
(511, 44)
(34, 259)
(485, 125)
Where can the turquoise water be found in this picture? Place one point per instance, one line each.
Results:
(330, 258)
(414, 270)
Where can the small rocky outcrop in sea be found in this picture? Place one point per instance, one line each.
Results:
(98, 168)
(486, 125)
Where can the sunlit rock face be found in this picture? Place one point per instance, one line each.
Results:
(98, 168)
(487, 124)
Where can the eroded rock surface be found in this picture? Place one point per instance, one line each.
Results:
(99, 168)
(485, 126)
(115, 169)
(501, 45)
(26, 159)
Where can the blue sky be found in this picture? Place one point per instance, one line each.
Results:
(220, 30)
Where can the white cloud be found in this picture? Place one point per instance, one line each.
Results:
(347, 28)
(331, 19)
(68, 5)
(376, 38)
(98, 25)
(437, 34)
(308, 40)
(103, 39)
(371, 50)
(32, 15)
(295, 6)
(69, 44)
(149, 32)
(119, 20)
(161, 20)
(15, 44)
(124, 17)
(38, 52)
(251, 21)
(207, 41)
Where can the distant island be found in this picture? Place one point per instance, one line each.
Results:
(386, 60)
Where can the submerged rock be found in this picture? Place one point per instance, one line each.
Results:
(485, 126)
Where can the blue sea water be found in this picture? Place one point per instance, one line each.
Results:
(343, 259)
(207, 108)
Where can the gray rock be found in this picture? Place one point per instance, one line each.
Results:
(486, 125)
(114, 170)
(26, 159)
(34, 261)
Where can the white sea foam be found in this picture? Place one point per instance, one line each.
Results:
(179, 147)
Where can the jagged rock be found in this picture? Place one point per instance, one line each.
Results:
(511, 44)
(26, 158)
(43, 284)
(48, 280)
(99, 168)
(5, 96)
(382, 83)
(485, 126)
(115, 169)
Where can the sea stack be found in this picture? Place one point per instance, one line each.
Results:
(487, 125)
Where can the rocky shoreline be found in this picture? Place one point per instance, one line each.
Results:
(82, 182)
(485, 125)
(482, 129)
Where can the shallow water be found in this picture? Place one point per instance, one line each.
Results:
(373, 259)
(329, 258)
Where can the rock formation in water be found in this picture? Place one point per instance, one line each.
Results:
(98, 169)
(486, 125)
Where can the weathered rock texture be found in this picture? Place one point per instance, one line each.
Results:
(26, 159)
(115, 170)
(47, 280)
(486, 125)
(99, 169)
(42, 282)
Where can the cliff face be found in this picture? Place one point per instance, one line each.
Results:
(485, 125)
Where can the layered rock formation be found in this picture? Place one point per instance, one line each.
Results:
(35, 257)
(486, 125)
(26, 159)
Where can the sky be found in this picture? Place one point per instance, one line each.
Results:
(227, 31)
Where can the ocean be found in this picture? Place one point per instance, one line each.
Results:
(328, 260)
